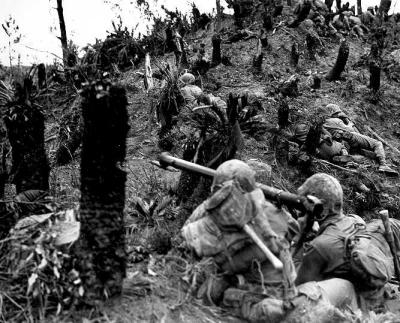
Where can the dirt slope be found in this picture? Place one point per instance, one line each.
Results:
(158, 288)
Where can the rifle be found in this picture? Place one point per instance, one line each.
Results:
(310, 204)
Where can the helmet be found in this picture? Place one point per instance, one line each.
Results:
(187, 78)
(238, 170)
(301, 131)
(333, 108)
(326, 188)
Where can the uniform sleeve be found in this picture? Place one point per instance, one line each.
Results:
(312, 265)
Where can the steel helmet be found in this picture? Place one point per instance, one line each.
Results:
(187, 78)
(238, 170)
(333, 108)
(328, 190)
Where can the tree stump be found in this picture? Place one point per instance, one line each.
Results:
(312, 44)
(101, 257)
(258, 58)
(42, 83)
(268, 21)
(294, 54)
(216, 52)
(25, 129)
(338, 68)
(375, 63)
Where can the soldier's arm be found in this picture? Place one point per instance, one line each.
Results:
(311, 267)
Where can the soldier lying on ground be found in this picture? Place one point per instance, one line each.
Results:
(246, 282)
(338, 124)
(346, 247)
(328, 149)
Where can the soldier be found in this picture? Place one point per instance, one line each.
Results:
(246, 281)
(328, 149)
(190, 91)
(345, 246)
(341, 128)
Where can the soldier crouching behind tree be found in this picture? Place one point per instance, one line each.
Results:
(246, 281)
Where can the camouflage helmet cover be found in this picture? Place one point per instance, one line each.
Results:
(333, 108)
(237, 170)
(187, 78)
(326, 188)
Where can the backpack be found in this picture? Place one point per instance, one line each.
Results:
(369, 255)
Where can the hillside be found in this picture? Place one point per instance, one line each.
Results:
(162, 279)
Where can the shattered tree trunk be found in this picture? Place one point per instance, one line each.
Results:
(311, 43)
(294, 54)
(101, 249)
(258, 58)
(25, 128)
(268, 21)
(63, 32)
(216, 52)
(384, 8)
(375, 69)
(359, 8)
(42, 82)
(338, 68)
(264, 39)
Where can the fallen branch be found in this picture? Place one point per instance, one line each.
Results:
(382, 140)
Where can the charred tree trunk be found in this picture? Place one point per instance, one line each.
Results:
(264, 39)
(384, 8)
(25, 128)
(359, 8)
(258, 58)
(101, 248)
(63, 31)
(329, 4)
(216, 52)
(42, 82)
(316, 82)
(302, 15)
(311, 43)
(294, 54)
(338, 4)
(375, 63)
(283, 114)
(338, 68)
(268, 21)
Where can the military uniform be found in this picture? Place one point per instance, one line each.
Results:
(346, 247)
(247, 283)
(347, 132)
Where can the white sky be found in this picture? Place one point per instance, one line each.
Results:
(86, 20)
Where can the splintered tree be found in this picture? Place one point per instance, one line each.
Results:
(294, 54)
(258, 57)
(216, 52)
(375, 63)
(42, 82)
(338, 68)
(101, 249)
(25, 129)
(384, 8)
